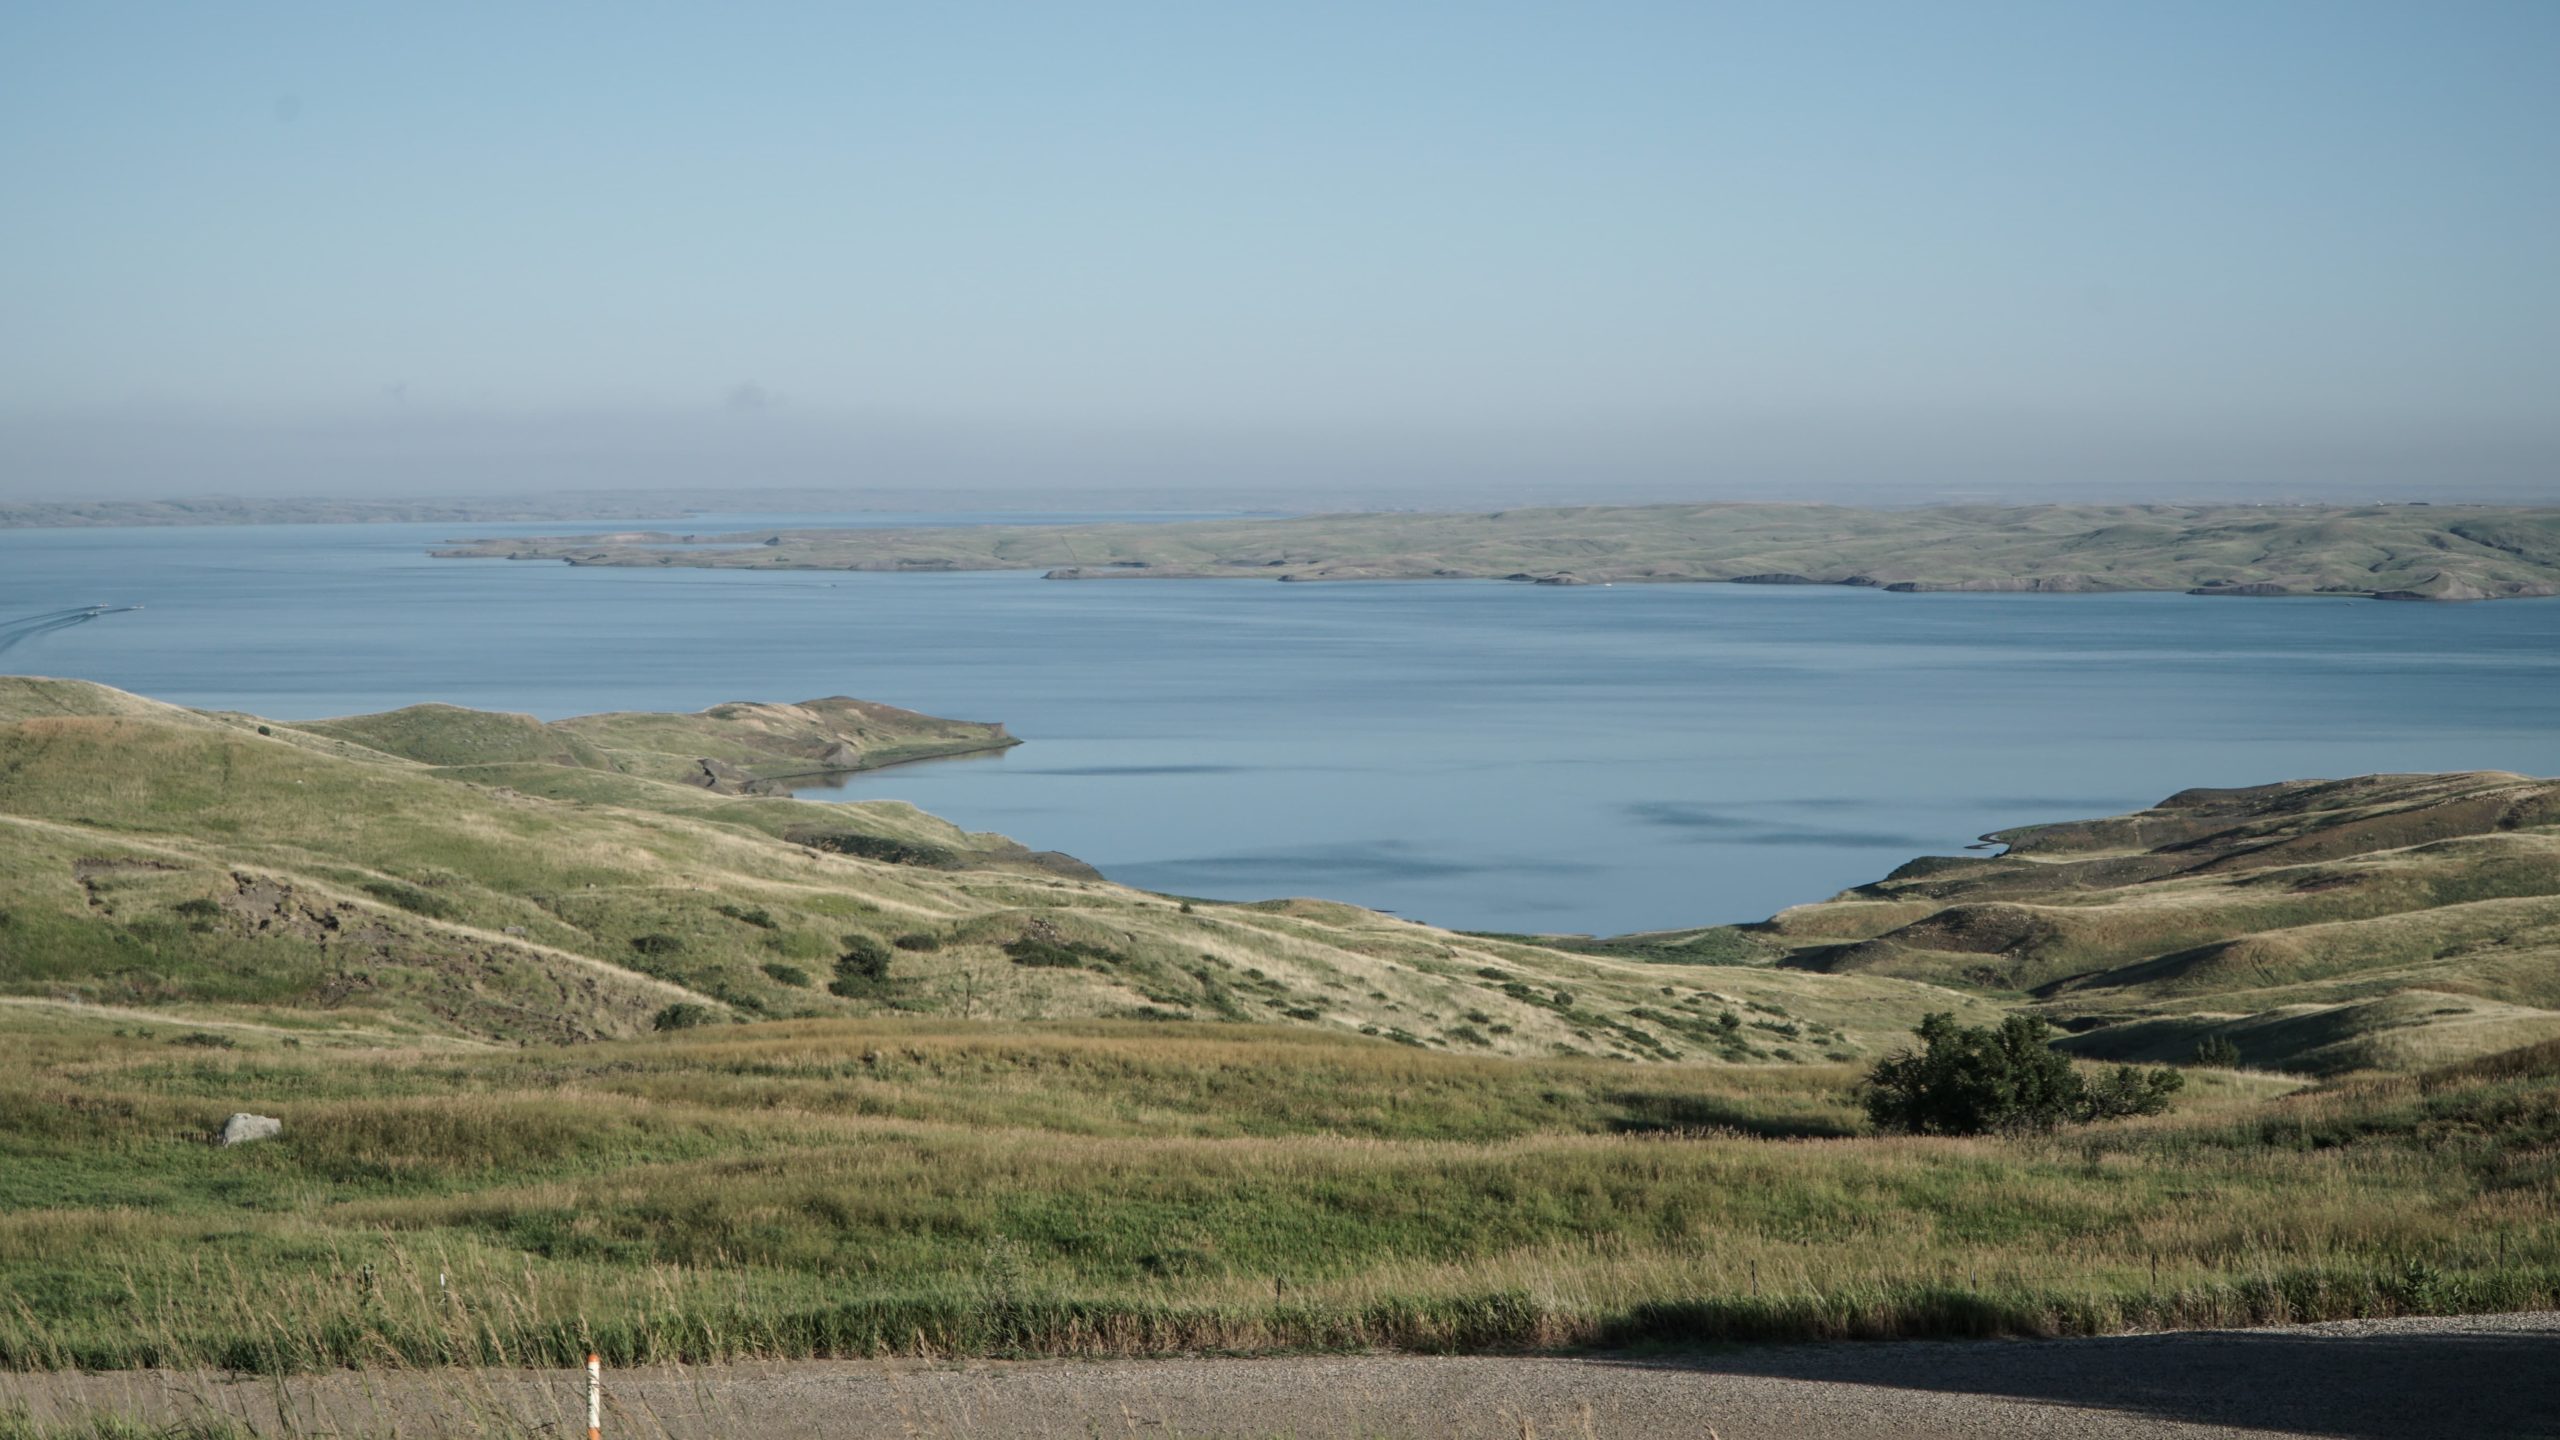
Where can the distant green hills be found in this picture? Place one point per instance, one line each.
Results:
(2399, 552)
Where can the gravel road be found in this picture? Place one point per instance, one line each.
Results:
(2483, 1376)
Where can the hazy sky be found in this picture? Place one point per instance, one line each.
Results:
(2144, 249)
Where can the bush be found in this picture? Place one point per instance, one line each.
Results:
(862, 966)
(864, 957)
(877, 847)
(683, 1015)
(409, 898)
(2217, 1051)
(787, 975)
(656, 944)
(1033, 951)
(1972, 1080)
(2129, 1090)
(920, 940)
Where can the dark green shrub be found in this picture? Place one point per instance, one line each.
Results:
(920, 940)
(877, 847)
(788, 975)
(864, 957)
(1033, 951)
(1974, 1080)
(656, 944)
(683, 1015)
(2217, 1051)
(862, 966)
(205, 1039)
(409, 898)
(2129, 1090)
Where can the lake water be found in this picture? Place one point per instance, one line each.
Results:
(1484, 755)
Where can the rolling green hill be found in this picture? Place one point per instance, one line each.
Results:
(451, 874)
(2405, 552)
(2319, 926)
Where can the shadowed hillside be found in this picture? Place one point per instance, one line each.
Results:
(2316, 925)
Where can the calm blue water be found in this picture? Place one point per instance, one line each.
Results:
(1475, 754)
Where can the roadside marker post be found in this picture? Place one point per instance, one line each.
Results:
(595, 1396)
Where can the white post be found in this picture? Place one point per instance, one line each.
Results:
(595, 1396)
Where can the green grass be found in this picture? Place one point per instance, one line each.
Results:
(20, 1424)
(939, 1188)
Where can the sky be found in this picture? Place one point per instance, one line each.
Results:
(1425, 252)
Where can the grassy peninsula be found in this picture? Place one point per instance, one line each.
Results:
(573, 1050)
(2399, 552)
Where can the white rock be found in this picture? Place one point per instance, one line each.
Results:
(245, 1126)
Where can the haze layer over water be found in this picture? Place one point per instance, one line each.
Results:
(1475, 754)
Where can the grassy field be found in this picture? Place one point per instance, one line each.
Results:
(2386, 922)
(2417, 552)
(937, 1188)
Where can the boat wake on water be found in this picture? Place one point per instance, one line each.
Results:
(14, 633)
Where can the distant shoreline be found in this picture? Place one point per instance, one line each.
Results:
(634, 506)
(2384, 552)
